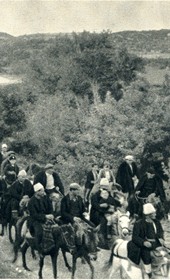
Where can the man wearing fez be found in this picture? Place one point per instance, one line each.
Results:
(147, 236)
(40, 210)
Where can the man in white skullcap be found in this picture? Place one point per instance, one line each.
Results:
(22, 187)
(40, 210)
(101, 203)
(147, 236)
(127, 175)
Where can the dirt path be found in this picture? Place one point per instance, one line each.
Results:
(15, 271)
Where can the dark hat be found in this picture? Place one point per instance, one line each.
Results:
(74, 186)
(12, 157)
(10, 178)
(49, 166)
(151, 170)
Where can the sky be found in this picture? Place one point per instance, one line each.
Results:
(39, 16)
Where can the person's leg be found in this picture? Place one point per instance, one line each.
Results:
(38, 234)
(146, 258)
(15, 208)
(109, 226)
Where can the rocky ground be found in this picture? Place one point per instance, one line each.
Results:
(15, 271)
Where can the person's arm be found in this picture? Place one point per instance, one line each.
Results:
(15, 192)
(35, 215)
(28, 188)
(159, 188)
(136, 171)
(141, 183)
(65, 212)
(58, 183)
(99, 176)
(86, 193)
(38, 178)
(100, 207)
(136, 235)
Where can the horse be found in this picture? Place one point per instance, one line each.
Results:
(86, 249)
(119, 261)
(7, 225)
(121, 227)
(136, 202)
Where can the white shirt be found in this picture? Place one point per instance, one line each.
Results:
(50, 181)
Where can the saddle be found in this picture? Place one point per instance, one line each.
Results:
(47, 240)
(158, 256)
(69, 237)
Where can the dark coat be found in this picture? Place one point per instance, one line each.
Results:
(90, 177)
(10, 169)
(135, 206)
(124, 176)
(97, 212)
(18, 190)
(148, 186)
(42, 178)
(4, 190)
(38, 208)
(65, 208)
(141, 232)
(2, 157)
(4, 194)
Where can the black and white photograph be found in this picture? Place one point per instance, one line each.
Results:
(84, 139)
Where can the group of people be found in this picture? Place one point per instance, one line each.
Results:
(44, 200)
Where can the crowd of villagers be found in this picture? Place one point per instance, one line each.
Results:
(39, 193)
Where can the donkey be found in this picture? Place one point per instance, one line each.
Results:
(86, 248)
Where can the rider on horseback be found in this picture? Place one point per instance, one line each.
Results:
(40, 209)
(73, 211)
(147, 236)
(103, 205)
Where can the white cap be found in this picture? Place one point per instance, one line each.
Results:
(38, 187)
(129, 157)
(22, 173)
(104, 182)
(148, 208)
(4, 145)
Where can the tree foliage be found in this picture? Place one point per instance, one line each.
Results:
(82, 100)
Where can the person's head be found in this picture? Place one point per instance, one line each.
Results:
(94, 166)
(22, 176)
(104, 185)
(49, 168)
(150, 173)
(39, 190)
(104, 193)
(55, 197)
(149, 211)
(4, 147)
(106, 165)
(74, 189)
(129, 159)
(12, 159)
